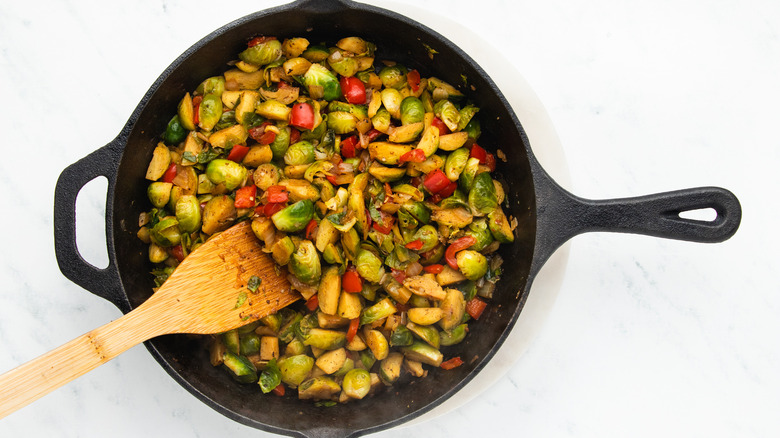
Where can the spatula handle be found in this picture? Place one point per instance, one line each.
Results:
(38, 377)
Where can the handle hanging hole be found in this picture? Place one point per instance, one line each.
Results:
(91, 222)
(702, 214)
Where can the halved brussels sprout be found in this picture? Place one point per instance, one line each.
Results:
(295, 369)
(325, 339)
(212, 85)
(266, 175)
(240, 367)
(369, 265)
(305, 263)
(472, 264)
(343, 63)
(466, 179)
(391, 99)
(393, 76)
(357, 383)
(263, 53)
(455, 163)
(381, 120)
(429, 237)
(479, 230)
(186, 112)
(175, 132)
(448, 113)
(342, 122)
(321, 83)
(412, 110)
(159, 193)
(166, 232)
(401, 336)
(301, 152)
(482, 196)
(453, 308)
(293, 47)
(499, 226)
(318, 388)
(218, 214)
(282, 250)
(418, 210)
(466, 114)
(188, 213)
(281, 142)
(161, 160)
(454, 336)
(230, 173)
(295, 217)
(209, 112)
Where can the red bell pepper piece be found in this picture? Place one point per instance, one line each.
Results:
(354, 325)
(238, 152)
(490, 161)
(373, 134)
(245, 197)
(259, 40)
(277, 194)
(414, 245)
(414, 156)
(433, 269)
(456, 246)
(170, 173)
(295, 135)
(478, 152)
(443, 129)
(399, 276)
(261, 135)
(196, 109)
(351, 281)
(313, 303)
(475, 307)
(349, 147)
(353, 89)
(311, 227)
(279, 390)
(302, 115)
(271, 208)
(386, 227)
(436, 181)
(178, 252)
(447, 191)
(452, 363)
(413, 79)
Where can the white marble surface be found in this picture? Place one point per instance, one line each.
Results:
(646, 338)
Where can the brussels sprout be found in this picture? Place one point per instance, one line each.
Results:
(263, 53)
(422, 352)
(175, 132)
(329, 290)
(157, 254)
(357, 383)
(454, 336)
(412, 110)
(266, 175)
(281, 143)
(188, 213)
(455, 163)
(406, 221)
(318, 388)
(377, 343)
(472, 264)
(473, 129)
(350, 241)
(405, 133)
(479, 230)
(274, 110)
(386, 152)
(401, 336)
(390, 368)
(282, 249)
(393, 76)
(418, 210)
(161, 160)
(209, 112)
(381, 120)
(386, 174)
(305, 263)
(499, 226)
(466, 114)
(321, 83)
(301, 152)
(341, 122)
(456, 200)
(295, 369)
(212, 85)
(369, 265)
(230, 173)
(296, 66)
(159, 193)
(448, 113)
(443, 88)
(466, 178)
(425, 315)
(453, 308)
(429, 237)
(391, 99)
(293, 47)
(240, 367)
(482, 196)
(250, 344)
(316, 53)
(166, 232)
(325, 339)
(295, 217)
(342, 63)
(228, 137)
(186, 112)
(427, 333)
(218, 214)
(356, 45)
(453, 141)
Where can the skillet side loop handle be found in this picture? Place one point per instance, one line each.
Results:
(101, 282)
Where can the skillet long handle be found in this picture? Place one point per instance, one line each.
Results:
(564, 215)
(38, 377)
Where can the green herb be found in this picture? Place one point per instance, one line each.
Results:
(241, 300)
(325, 404)
(336, 218)
(189, 156)
(376, 216)
(207, 155)
(254, 283)
(431, 50)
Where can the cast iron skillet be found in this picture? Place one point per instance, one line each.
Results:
(546, 213)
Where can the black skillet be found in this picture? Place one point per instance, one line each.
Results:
(547, 215)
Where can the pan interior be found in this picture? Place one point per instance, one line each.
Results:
(398, 39)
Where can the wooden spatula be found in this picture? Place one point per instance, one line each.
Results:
(207, 293)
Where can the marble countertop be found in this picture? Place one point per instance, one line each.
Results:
(645, 337)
